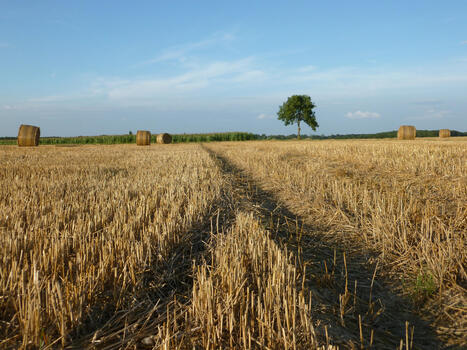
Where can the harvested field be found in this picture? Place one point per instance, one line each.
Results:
(87, 232)
(263, 244)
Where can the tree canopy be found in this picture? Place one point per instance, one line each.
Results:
(296, 109)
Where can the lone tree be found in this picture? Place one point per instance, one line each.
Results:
(298, 108)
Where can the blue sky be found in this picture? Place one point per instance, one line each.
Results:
(107, 67)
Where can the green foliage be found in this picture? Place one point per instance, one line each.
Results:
(8, 141)
(425, 284)
(423, 287)
(226, 136)
(296, 109)
(130, 138)
(82, 140)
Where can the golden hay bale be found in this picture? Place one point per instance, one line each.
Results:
(28, 135)
(143, 138)
(406, 132)
(444, 133)
(164, 138)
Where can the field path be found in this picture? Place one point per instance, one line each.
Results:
(168, 284)
(347, 293)
(352, 306)
(234, 245)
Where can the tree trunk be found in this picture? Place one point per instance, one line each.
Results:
(298, 134)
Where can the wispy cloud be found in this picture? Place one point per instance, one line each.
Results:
(432, 113)
(306, 69)
(200, 78)
(4, 45)
(350, 81)
(362, 115)
(249, 76)
(437, 114)
(65, 24)
(179, 52)
(9, 107)
(464, 42)
(265, 116)
(213, 74)
(61, 98)
(194, 86)
(427, 103)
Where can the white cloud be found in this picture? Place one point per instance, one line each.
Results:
(192, 88)
(194, 80)
(354, 81)
(197, 81)
(179, 52)
(362, 115)
(253, 75)
(265, 116)
(432, 113)
(307, 69)
(9, 107)
(58, 98)
(436, 114)
(427, 103)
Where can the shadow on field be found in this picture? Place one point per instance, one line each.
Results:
(166, 288)
(351, 305)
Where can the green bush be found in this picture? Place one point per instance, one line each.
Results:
(224, 136)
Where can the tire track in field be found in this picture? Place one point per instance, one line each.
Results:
(348, 315)
(168, 287)
(170, 284)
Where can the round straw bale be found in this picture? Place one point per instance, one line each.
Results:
(164, 138)
(444, 133)
(406, 132)
(143, 138)
(28, 135)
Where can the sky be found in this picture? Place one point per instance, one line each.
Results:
(110, 67)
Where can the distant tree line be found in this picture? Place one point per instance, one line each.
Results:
(379, 135)
(131, 138)
(224, 136)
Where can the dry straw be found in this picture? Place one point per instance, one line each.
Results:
(164, 138)
(391, 205)
(143, 138)
(28, 135)
(406, 132)
(444, 133)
